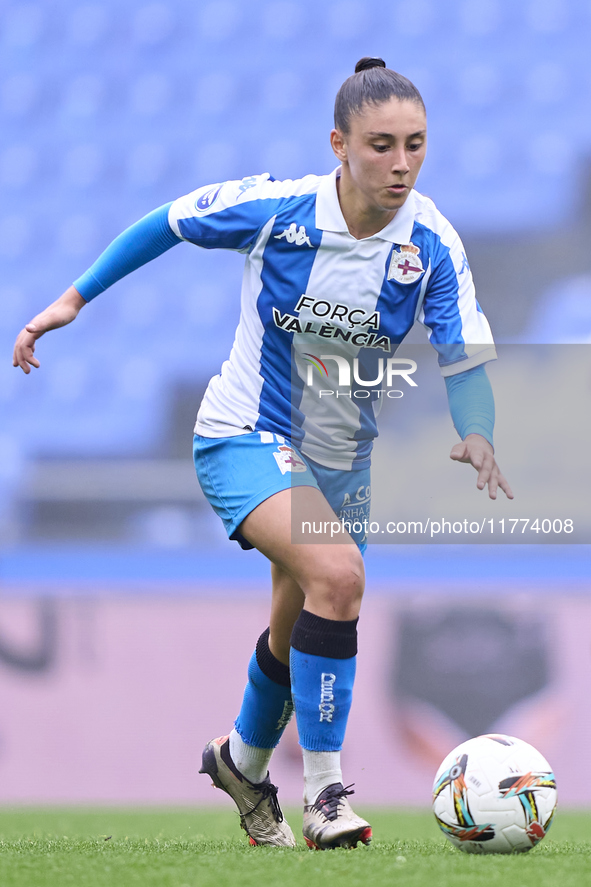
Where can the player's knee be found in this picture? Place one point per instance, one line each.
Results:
(338, 592)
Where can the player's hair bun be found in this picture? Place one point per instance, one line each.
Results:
(376, 84)
(367, 62)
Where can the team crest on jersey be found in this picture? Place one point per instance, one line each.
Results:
(288, 460)
(405, 264)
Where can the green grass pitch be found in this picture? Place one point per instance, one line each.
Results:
(184, 848)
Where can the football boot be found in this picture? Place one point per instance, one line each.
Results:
(260, 814)
(330, 821)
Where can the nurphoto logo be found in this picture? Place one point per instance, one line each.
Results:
(387, 373)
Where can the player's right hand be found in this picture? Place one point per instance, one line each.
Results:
(60, 313)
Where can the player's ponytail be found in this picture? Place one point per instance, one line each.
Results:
(372, 83)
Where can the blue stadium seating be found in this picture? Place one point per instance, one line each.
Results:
(109, 110)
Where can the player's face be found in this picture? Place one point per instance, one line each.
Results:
(382, 154)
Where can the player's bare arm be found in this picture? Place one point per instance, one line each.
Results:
(61, 312)
(476, 451)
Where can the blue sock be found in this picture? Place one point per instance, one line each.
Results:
(322, 661)
(267, 705)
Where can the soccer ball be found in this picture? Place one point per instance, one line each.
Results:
(494, 794)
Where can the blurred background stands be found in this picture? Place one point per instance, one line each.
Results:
(108, 111)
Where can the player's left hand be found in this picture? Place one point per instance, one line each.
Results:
(477, 451)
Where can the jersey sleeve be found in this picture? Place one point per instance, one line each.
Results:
(228, 215)
(471, 403)
(138, 244)
(455, 322)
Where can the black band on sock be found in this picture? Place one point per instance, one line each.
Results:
(268, 664)
(324, 637)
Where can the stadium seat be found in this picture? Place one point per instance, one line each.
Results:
(128, 120)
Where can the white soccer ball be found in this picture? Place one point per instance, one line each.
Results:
(494, 794)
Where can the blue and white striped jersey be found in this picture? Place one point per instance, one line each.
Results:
(315, 297)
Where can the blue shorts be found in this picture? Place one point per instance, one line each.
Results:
(238, 473)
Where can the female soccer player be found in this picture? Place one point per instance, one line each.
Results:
(342, 263)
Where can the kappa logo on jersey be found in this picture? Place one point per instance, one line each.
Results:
(296, 235)
(288, 460)
(209, 198)
(246, 183)
(405, 265)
